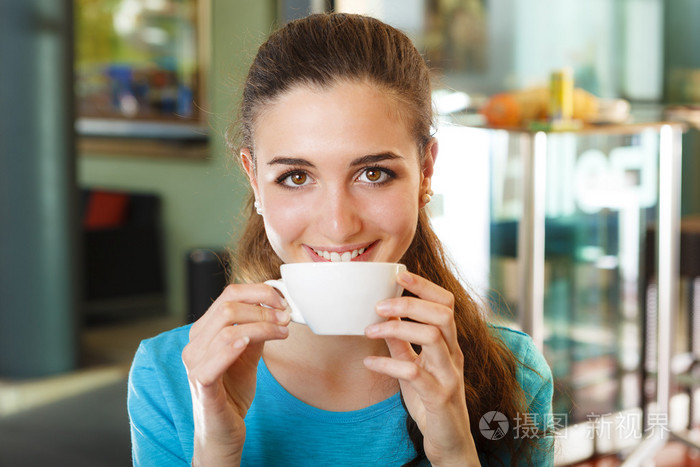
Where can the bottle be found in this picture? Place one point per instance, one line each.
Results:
(561, 98)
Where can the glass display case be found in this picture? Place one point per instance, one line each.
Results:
(550, 230)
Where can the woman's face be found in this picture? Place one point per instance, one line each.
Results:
(338, 175)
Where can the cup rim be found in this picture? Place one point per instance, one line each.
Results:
(326, 263)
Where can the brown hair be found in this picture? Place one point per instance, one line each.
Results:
(320, 50)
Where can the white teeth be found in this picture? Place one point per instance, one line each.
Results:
(335, 256)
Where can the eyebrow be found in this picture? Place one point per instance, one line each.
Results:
(374, 158)
(290, 161)
(364, 160)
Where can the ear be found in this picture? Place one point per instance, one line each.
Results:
(249, 167)
(431, 152)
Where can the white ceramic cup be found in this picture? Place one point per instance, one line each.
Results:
(337, 298)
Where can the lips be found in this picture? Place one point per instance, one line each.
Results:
(340, 255)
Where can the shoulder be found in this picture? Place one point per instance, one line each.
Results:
(534, 374)
(159, 402)
(522, 346)
(157, 375)
(175, 338)
(162, 354)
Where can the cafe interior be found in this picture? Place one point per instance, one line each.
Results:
(566, 193)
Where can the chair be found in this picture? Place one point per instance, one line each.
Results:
(122, 252)
(207, 276)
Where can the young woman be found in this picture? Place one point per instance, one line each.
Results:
(335, 139)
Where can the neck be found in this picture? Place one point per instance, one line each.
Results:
(334, 364)
(327, 353)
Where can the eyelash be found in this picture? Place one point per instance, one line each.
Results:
(281, 180)
(388, 173)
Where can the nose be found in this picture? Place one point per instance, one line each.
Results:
(339, 218)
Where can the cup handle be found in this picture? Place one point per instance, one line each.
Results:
(279, 285)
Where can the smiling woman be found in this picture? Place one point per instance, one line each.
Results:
(335, 139)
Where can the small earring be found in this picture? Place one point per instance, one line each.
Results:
(427, 196)
(258, 209)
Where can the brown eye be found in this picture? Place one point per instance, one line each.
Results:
(373, 175)
(298, 178)
(295, 178)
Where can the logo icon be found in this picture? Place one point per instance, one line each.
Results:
(493, 425)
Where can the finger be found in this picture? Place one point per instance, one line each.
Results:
(235, 313)
(435, 355)
(253, 294)
(407, 371)
(401, 349)
(206, 369)
(416, 333)
(423, 311)
(425, 289)
(208, 366)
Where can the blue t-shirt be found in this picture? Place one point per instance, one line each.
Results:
(282, 430)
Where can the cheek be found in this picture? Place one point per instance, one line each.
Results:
(284, 222)
(398, 216)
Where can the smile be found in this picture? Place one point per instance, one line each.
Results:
(334, 256)
(337, 255)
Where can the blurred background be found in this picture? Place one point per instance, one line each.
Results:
(119, 194)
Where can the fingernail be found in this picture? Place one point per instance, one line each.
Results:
(372, 329)
(283, 329)
(383, 306)
(242, 342)
(282, 317)
(284, 303)
(405, 277)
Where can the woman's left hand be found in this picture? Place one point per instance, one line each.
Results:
(432, 382)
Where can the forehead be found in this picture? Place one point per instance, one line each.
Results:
(347, 117)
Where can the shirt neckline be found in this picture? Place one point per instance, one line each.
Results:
(300, 408)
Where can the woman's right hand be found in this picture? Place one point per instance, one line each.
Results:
(221, 360)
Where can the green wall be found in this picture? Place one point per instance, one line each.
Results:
(201, 199)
